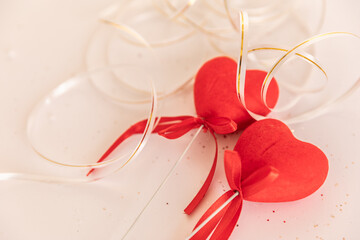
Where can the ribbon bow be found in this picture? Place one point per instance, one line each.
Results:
(222, 223)
(175, 127)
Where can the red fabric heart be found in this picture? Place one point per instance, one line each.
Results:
(268, 165)
(302, 166)
(218, 108)
(215, 92)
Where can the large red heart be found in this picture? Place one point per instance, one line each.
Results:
(215, 92)
(302, 166)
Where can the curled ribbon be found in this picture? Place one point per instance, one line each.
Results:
(221, 223)
(175, 127)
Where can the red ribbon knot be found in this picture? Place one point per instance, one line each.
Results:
(220, 125)
(175, 127)
(223, 223)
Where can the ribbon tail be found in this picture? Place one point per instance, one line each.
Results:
(137, 128)
(204, 232)
(200, 195)
(232, 165)
(227, 223)
(177, 130)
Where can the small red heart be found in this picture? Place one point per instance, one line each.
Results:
(302, 166)
(215, 92)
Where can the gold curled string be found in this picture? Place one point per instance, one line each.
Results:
(199, 26)
(145, 135)
(298, 91)
(288, 53)
(195, 25)
(129, 31)
(285, 50)
(275, 19)
(265, 18)
(141, 39)
(215, 9)
(227, 10)
(142, 42)
(7, 176)
(241, 67)
(148, 130)
(307, 57)
(218, 33)
(107, 16)
(322, 108)
(280, 16)
(321, 18)
(291, 52)
(188, 83)
(182, 10)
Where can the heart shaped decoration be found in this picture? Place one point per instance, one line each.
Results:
(302, 166)
(215, 92)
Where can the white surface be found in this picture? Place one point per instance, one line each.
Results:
(42, 43)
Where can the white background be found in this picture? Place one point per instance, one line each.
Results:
(42, 43)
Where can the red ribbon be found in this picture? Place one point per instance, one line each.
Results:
(175, 127)
(223, 223)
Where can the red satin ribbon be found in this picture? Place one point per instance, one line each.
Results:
(175, 127)
(224, 222)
